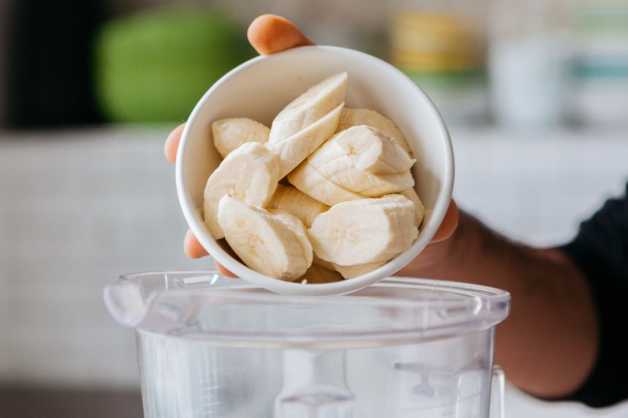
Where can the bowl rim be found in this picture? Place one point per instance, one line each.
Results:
(345, 286)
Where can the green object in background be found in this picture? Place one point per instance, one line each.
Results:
(154, 67)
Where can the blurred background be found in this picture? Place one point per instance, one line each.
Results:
(535, 94)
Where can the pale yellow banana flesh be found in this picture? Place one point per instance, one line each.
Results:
(348, 158)
(308, 108)
(418, 205)
(274, 244)
(352, 117)
(374, 152)
(296, 148)
(308, 180)
(364, 231)
(228, 134)
(249, 173)
(295, 225)
(297, 203)
(367, 184)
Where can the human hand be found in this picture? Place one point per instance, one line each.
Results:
(270, 34)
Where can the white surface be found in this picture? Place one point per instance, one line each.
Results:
(77, 209)
(80, 207)
(273, 81)
(537, 187)
(528, 80)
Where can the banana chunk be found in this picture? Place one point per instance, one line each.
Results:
(352, 117)
(249, 173)
(349, 158)
(308, 108)
(230, 133)
(364, 231)
(296, 148)
(418, 205)
(368, 149)
(317, 274)
(349, 272)
(307, 179)
(274, 244)
(291, 200)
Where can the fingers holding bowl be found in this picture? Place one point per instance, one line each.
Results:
(269, 34)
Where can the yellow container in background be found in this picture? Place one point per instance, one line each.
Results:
(445, 54)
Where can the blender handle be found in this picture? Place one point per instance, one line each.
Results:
(498, 389)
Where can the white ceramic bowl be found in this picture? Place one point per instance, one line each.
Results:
(261, 87)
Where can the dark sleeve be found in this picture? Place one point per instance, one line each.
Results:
(600, 251)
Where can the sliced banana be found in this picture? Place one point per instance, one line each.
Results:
(349, 157)
(418, 205)
(296, 148)
(308, 108)
(369, 149)
(317, 274)
(307, 179)
(349, 272)
(364, 231)
(249, 173)
(352, 117)
(297, 203)
(345, 164)
(230, 133)
(299, 230)
(274, 244)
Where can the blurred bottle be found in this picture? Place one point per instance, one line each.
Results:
(600, 65)
(441, 45)
(528, 58)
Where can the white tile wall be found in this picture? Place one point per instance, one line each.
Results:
(537, 187)
(78, 208)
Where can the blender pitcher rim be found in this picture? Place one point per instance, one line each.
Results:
(478, 307)
(488, 291)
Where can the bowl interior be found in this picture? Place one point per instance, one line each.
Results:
(261, 87)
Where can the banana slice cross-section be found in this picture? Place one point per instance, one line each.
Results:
(353, 117)
(296, 148)
(364, 231)
(354, 158)
(297, 203)
(308, 108)
(274, 244)
(368, 149)
(418, 205)
(249, 173)
(230, 133)
(307, 179)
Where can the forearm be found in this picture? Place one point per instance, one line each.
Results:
(548, 344)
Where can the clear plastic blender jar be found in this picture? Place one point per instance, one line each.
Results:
(217, 347)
